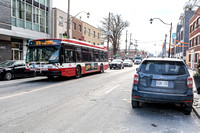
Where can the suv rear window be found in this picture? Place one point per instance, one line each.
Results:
(163, 68)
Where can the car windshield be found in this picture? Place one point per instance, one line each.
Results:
(163, 68)
(138, 58)
(6, 63)
(47, 54)
(127, 61)
(117, 60)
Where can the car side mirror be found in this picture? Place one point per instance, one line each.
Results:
(136, 69)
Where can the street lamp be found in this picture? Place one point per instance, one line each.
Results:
(68, 18)
(151, 20)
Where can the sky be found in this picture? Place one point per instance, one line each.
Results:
(137, 12)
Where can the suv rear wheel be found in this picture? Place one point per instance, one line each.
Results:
(187, 110)
(135, 104)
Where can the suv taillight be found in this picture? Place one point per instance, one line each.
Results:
(136, 79)
(189, 82)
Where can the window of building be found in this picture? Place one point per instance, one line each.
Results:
(60, 21)
(190, 43)
(194, 26)
(28, 12)
(94, 34)
(47, 22)
(20, 9)
(190, 28)
(35, 15)
(14, 8)
(98, 35)
(189, 57)
(197, 22)
(42, 20)
(84, 30)
(42, 2)
(74, 26)
(47, 3)
(79, 28)
(197, 40)
(88, 32)
(194, 41)
(196, 57)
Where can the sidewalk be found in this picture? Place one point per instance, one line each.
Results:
(196, 104)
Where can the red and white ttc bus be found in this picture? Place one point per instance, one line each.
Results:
(65, 57)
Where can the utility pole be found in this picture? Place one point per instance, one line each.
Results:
(170, 39)
(164, 48)
(129, 46)
(108, 36)
(126, 42)
(135, 47)
(68, 19)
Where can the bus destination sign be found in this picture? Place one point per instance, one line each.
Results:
(45, 42)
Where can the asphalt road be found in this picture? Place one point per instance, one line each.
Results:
(95, 103)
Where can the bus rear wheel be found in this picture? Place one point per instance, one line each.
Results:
(101, 69)
(78, 72)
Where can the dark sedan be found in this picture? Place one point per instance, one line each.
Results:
(12, 69)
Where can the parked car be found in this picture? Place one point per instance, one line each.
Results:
(163, 80)
(138, 60)
(13, 68)
(128, 63)
(117, 63)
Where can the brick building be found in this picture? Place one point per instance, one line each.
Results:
(194, 47)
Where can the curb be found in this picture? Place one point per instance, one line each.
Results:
(196, 112)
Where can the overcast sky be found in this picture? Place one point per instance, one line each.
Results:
(136, 12)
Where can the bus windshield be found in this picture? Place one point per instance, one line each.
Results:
(48, 54)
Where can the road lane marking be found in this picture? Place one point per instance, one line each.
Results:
(39, 89)
(111, 89)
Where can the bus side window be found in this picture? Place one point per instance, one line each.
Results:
(104, 56)
(85, 56)
(96, 55)
(69, 54)
(78, 56)
(90, 55)
(101, 55)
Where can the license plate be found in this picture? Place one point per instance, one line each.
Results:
(162, 83)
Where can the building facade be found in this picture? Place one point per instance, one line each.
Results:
(79, 30)
(91, 34)
(194, 47)
(21, 21)
(182, 34)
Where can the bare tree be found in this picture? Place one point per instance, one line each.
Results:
(117, 25)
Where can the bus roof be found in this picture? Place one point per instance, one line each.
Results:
(76, 42)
